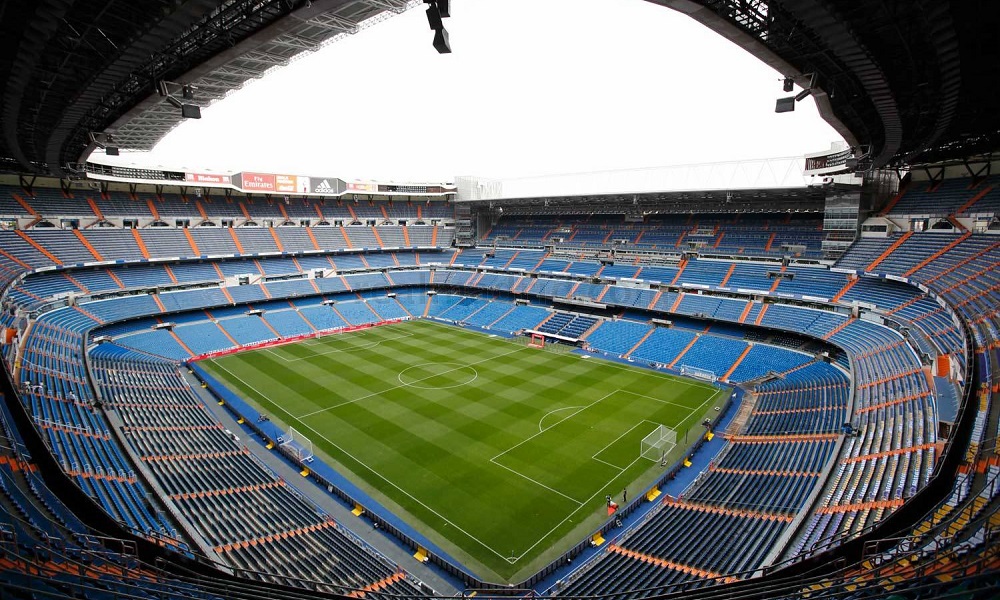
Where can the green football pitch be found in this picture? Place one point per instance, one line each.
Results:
(500, 453)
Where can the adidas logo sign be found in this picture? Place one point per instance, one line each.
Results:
(324, 186)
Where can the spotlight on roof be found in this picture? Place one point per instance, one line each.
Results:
(188, 110)
(436, 10)
(788, 104)
(788, 85)
(441, 43)
(785, 105)
(434, 18)
(104, 141)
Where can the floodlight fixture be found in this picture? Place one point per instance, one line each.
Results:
(188, 110)
(785, 105)
(434, 18)
(436, 9)
(788, 85)
(103, 141)
(788, 104)
(441, 43)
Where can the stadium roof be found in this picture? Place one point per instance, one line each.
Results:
(776, 200)
(681, 181)
(81, 66)
(906, 79)
(909, 79)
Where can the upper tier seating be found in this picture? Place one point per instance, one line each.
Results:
(743, 234)
(961, 196)
(50, 203)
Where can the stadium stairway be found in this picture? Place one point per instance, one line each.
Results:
(876, 407)
(385, 544)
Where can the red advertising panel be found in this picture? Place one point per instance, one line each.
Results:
(286, 183)
(207, 178)
(258, 182)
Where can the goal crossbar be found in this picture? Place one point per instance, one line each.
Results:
(537, 341)
(297, 445)
(658, 443)
(699, 373)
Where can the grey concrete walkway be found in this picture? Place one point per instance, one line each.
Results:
(379, 540)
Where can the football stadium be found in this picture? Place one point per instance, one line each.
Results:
(760, 378)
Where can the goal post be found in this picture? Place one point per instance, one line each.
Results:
(537, 341)
(699, 373)
(298, 445)
(658, 443)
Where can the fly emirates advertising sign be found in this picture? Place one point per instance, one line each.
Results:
(269, 183)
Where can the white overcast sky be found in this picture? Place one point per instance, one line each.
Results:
(532, 88)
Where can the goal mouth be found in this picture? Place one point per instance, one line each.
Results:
(297, 445)
(537, 341)
(658, 443)
(699, 373)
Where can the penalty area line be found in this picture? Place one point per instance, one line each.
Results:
(409, 384)
(612, 443)
(538, 483)
(563, 420)
(363, 464)
(583, 504)
(322, 341)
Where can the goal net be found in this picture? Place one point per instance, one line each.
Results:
(537, 341)
(657, 444)
(297, 445)
(699, 373)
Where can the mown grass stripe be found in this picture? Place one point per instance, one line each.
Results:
(435, 446)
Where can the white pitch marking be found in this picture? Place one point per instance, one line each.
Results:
(318, 342)
(373, 471)
(571, 415)
(600, 490)
(410, 384)
(551, 412)
(674, 378)
(612, 442)
(554, 491)
(441, 387)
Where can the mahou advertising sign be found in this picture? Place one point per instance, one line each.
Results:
(207, 178)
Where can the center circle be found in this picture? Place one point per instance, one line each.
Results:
(422, 376)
